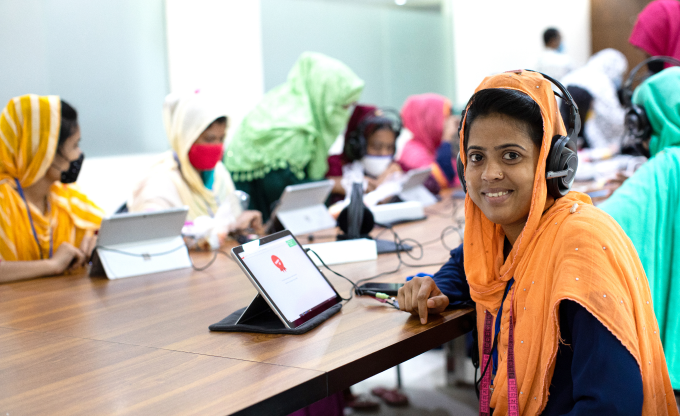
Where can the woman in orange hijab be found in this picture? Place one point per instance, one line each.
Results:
(47, 225)
(538, 257)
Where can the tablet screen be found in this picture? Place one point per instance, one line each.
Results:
(288, 276)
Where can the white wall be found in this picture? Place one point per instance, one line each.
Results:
(216, 46)
(396, 51)
(491, 36)
(106, 58)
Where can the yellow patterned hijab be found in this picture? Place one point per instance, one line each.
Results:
(29, 134)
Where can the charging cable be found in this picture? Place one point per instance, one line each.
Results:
(382, 297)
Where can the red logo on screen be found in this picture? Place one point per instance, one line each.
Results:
(278, 263)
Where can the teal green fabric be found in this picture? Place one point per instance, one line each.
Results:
(647, 206)
(265, 191)
(296, 123)
(208, 177)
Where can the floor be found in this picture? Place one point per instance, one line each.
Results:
(424, 382)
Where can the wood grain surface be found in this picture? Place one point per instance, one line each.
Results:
(153, 330)
(45, 374)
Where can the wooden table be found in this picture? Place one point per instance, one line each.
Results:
(73, 345)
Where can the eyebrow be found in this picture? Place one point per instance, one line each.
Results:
(499, 147)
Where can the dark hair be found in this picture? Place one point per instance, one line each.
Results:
(380, 125)
(219, 120)
(69, 122)
(511, 103)
(370, 126)
(549, 35)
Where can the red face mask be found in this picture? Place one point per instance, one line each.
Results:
(205, 156)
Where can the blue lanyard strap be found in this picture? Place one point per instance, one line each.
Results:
(30, 218)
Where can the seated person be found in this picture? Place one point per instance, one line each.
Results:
(646, 207)
(657, 31)
(554, 279)
(429, 118)
(285, 139)
(370, 138)
(601, 77)
(553, 61)
(191, 173)
(47, 226)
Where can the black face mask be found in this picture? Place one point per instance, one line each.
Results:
(655, 66)
(71, 174)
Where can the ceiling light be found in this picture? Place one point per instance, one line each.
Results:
(400, 2)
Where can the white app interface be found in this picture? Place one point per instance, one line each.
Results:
(292, 281)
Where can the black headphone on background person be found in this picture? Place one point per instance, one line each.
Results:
(356, 143)
(636, 121)
(562, 159)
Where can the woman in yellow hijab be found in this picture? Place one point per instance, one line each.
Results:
(544, 268)
(47, 226)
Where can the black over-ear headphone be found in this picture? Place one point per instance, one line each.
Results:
(636, 120)
(356, 143)
(562, 159)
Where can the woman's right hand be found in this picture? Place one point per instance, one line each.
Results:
(250, 219)
(67, 257)
(421, 296)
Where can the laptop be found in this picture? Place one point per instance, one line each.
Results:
(414, 190)
(302, 210)
(287, 281)
(133, 244)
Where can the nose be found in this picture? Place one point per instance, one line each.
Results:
(493, 171)
(385, 151)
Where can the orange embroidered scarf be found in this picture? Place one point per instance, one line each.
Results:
(582, 256)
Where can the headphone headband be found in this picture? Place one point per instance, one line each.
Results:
(356, 142)
(574, 122)
(562, 159)
(627, 94)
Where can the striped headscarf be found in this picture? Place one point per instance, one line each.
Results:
(29, 135)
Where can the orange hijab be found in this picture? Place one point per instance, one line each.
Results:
(582, 256)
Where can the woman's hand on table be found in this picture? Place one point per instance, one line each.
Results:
(421, 296)
(250, 219)
(67, 257)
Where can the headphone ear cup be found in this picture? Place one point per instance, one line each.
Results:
(460, 169)
(562, 157)
(637, 123)
(354, 147)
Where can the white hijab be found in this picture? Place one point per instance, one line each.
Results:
(601, 76)
(185, 118)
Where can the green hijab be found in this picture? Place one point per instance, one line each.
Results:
(296, 123)
(647, 206)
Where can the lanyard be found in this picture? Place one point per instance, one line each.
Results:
(30, 219)
(485, 394)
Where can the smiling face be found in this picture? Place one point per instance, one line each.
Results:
(501, 164)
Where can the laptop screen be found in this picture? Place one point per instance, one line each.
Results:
(289, 278)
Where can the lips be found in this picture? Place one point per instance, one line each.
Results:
(497, 196)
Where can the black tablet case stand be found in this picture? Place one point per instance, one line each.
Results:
(259, 317)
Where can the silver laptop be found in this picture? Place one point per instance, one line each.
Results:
(131, 244)
(302, 208)
(413, 188)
